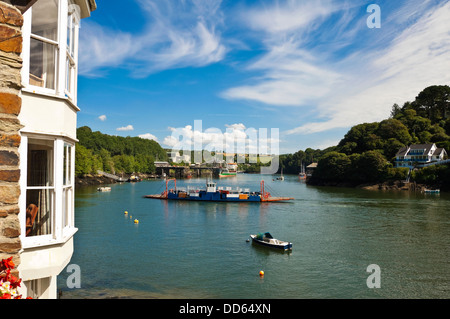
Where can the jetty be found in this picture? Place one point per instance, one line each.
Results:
(112, 176)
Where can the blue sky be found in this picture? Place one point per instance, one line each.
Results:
(311, 69)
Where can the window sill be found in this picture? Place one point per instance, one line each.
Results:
(30, 242)
(32, 90)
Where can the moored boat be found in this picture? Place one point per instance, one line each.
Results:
(266, 239)
(229, 171)
(302, 174)
(104, 189)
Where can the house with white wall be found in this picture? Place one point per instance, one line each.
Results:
(48, 115)
(419, 154)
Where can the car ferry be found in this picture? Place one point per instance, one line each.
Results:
(217, 194)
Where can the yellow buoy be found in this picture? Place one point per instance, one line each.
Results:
(261, 273)
(136, 221)
(126, 212)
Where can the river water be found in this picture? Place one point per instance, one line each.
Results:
(200, 250)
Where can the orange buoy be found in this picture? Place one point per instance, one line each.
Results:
(261, 273)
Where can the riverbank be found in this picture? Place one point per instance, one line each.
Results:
(396, 186)
(385, 186)
(93, 180)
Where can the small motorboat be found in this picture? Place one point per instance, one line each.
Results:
(432, 191)
(104, 189)
(266, 239)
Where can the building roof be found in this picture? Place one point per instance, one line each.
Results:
(403, 151)
(425, 147)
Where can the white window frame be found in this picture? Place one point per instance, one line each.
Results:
(60, 89)
(68, 189)
(63, 208)
(71, 61)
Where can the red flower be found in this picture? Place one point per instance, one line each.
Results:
(5, 276)
(14, 282)
(7, 264)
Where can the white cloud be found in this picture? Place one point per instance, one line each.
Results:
(303, 67)
(125, 128)
(238, 126)
(415, 59)
(291, 77)
(177, 34)
(102, 118)
(287, 16)
(236, 138)
(148, 136)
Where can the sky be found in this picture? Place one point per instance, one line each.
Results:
(291, 74)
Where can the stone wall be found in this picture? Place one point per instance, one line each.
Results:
(11, 21)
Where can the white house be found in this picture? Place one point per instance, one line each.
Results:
(47, 150)
(177, 158)
(418, 154)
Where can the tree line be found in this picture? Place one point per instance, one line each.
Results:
(115, 154)
(367, 152)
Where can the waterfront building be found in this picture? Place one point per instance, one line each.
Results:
(45, 54)
(310, 169)
(419, 154)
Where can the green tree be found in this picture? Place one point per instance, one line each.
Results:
(393, 128)
(434, 102)
(371, 167)
(332, 167)
(82, 160)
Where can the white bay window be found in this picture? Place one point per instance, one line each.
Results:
(50, 48)
(48, 174)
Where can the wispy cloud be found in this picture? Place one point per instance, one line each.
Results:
(331, 64)
(177, 34)
(395, 73)
(102, 118)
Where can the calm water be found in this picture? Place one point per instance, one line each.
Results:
(199, 250)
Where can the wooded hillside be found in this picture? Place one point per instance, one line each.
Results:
(115, 154)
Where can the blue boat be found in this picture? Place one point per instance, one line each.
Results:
(217, 194)
(266, 239)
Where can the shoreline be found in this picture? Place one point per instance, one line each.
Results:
(383, 186)
(94, 180)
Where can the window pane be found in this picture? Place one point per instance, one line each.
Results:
(42, 64)
(71, 24)
(45, 19)
(67, 164)
(40, 163)
(70, 76)
(67, 205)
(39, 212)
